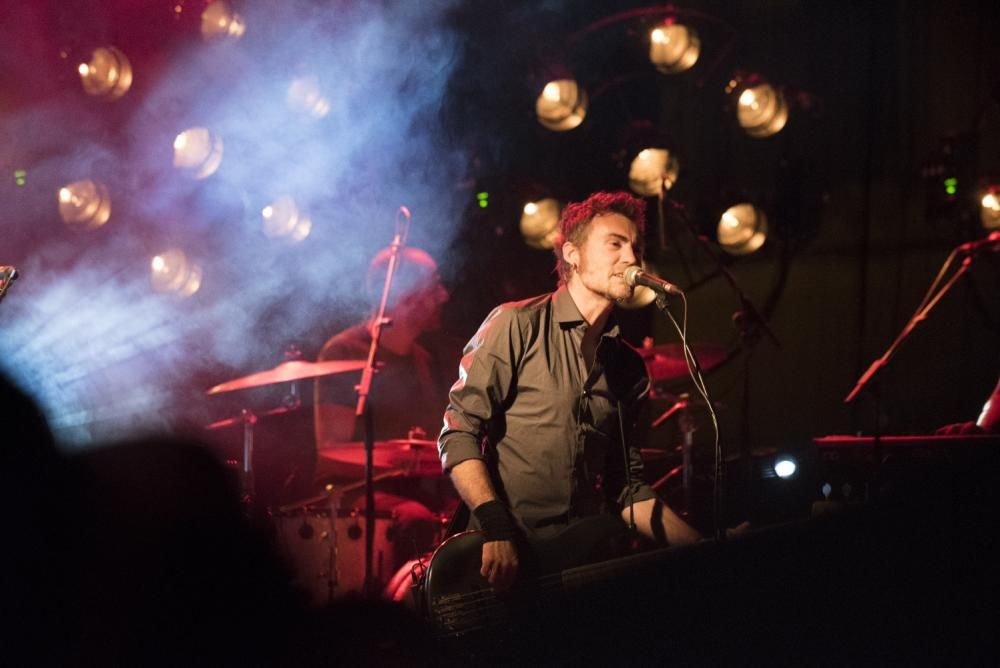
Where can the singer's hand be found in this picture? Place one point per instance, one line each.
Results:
(500, 564)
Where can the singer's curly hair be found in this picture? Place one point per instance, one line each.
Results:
(575, 223)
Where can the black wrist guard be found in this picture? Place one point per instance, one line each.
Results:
(495, 521)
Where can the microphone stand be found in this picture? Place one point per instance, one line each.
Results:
(749, 322)
(930, 301)
(363, 410)
(7, 277)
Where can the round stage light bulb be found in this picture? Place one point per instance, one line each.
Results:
(562, 105)
(171, 272)
(219, 21)
(742, 229)
(762, 110)
(84, 205)
(785, 467)
(540, 222)
(651, 169)
(198, 152)
(108, 74)
(674, 48)
(284, 218)
(989, 210)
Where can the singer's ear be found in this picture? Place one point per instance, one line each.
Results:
(571, 253)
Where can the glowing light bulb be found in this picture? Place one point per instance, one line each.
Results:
(652, 170)
(530, 208)
(785, 467)
(551, 91)
(198, 152)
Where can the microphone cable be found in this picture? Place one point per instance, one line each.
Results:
(695, 371)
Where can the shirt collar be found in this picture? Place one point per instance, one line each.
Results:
(568, 315)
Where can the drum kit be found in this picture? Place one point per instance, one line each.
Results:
(321, 536)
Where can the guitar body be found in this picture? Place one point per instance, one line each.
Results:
(461, 602)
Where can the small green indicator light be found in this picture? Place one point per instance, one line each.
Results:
(19, 176)
(951, 185)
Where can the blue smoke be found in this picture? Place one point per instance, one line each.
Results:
(84, 332)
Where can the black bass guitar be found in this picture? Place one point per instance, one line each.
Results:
(553, 574)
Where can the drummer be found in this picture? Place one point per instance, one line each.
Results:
(416, 362)
(412, 378)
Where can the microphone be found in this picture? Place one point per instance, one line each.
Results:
(991, 242)
(635, 276)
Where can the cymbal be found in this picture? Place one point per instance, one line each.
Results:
(666, 361)
(287, 372)
(414, 456)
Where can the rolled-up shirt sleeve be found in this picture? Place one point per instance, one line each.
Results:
(486, 374)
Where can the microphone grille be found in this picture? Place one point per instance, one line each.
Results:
(630, 275)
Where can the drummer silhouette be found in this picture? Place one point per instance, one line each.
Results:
(415, 366)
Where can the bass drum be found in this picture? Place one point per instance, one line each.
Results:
(326, 554)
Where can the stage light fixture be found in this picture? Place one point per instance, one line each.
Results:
(305, 95)
(761, 109)
(540, 222)
(198, 152)
(108, 74)
(219, 21)
(742, 229)
(562, 105)
(785, 467)
(283, 218)
(173, 273)
(84, 205)
(673, 47)
(652, 169)
(989, 208)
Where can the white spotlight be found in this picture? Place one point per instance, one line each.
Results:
(785, 467)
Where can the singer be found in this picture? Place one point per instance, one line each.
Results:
(539, 429)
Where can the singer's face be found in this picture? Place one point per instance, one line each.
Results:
(607, 251)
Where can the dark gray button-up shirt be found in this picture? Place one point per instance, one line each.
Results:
(549, 429)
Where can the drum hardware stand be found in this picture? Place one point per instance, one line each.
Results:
(687, 428)
(247, 493)
(292, 400)
(363, 410)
